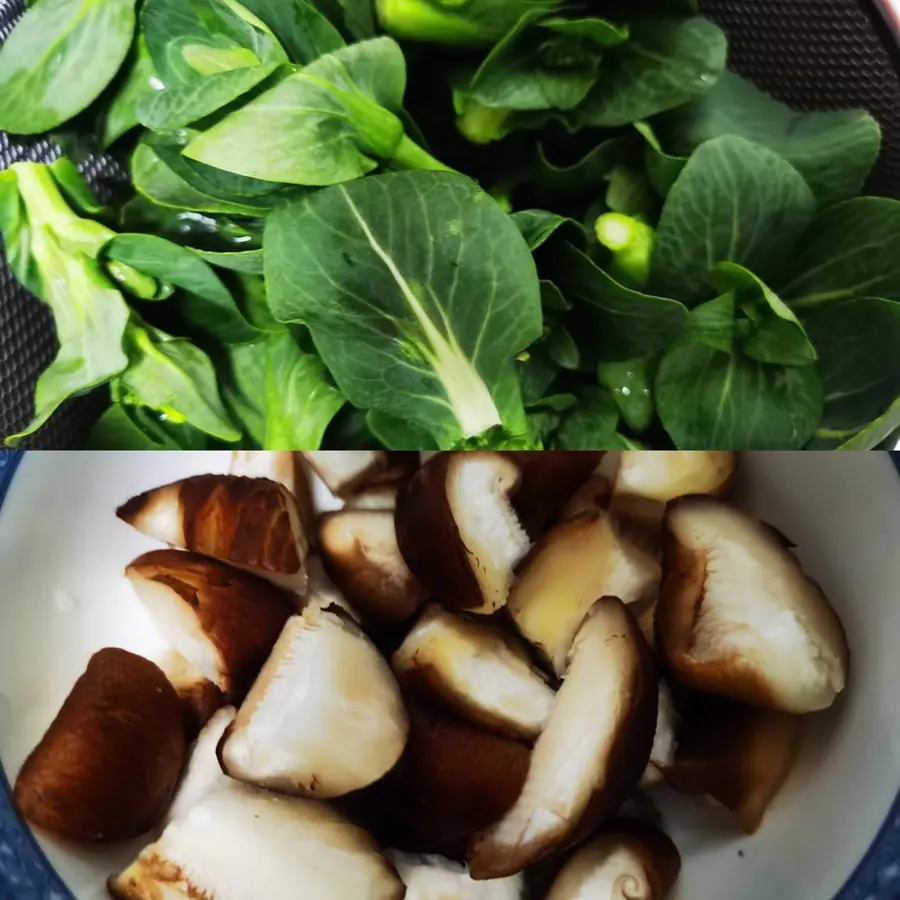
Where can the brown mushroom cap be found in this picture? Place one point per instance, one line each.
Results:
(626, 860)
(477, 670)
(457, 529)
(739, 755)
(252, 523)
(572, 565)
(453, 780)
(325, 716)
(108, 765)
(243, 842)
(359, 547)
(223, 621)
(739, 617)
(592, 752)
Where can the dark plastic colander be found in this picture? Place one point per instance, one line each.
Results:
(813, 54)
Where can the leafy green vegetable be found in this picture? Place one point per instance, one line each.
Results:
(631, 242)
(124, 427)
(139, 83)
(282, 396)
(554, 183)
(733, 202)
(591, 425)
(667, 62)
(410, 313)
(59, 59)
(304, 32)
(833, 151)
(398, 434)
(708, 399)
(537, 226)
(631, 386)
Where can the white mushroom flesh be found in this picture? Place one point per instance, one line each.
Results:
(325, 716)
(241, 843)
(665, 739)
(478, 489)
(276, 465)
(438, 878)
(605, 869)
(488, 676)
(664, 475)
(342, 470)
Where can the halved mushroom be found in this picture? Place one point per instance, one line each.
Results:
(549, 479)
(347, 471)
(739, 617)
(592, 752)
(477, 670)
(739, 755)
(203, 773)
(380, 496)
(593, 496)
(283, 467)
(665, 740)
(223, 621)
(453, 780)
(108, 765)
(252, 523)
(432, 877)
(572, 565)
(199, 696)
(627, 860)
(322, 592)
(325, 716)
(457, 529)
(241, 843)
(359, 547)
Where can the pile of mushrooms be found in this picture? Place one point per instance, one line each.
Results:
(470, 667)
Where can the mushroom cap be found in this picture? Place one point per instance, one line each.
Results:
(590, 755)
(199, 696)
(739, 617)
(627, 860)
(347, 471)
(203, 772)
(431, 877)
(739, 755)
(453, 780)
(251, 523)
(325, 716)
(223, 621)
(108, 765)
(572, 565)
(361, 554)
(457, 529)
(477, 670)
(243, 842)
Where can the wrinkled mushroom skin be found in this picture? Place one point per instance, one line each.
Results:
(453, 780)
(564, 574)
(223, 621)
(549, 480)
(476, 670)
(442, 516)
(738, 616)
(625, 860)
(361, 555)
(107, 767)
(739, 755)
(592, 752)
(240, 842)
(251, 523)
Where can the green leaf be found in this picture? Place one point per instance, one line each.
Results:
(663, 168)
(59, 59)
(16, 235)
(833, 151)
(349, 430)
(874, 435)
(535, 373)
(631, 386)
(734, 202)
(552, 299)
(600, 32)
(135, 428)
(562, 349)
(140, 81)
(579, 179)
(282, 396)
(175, 378)
(203, 301)
(418, 290)
(709, 400)
(398, 434)
(248, 261)
(359, 18)
(328, 123)
(537, 226)
(775, 334)
(630, 192)
(859, 360)
(591, 425)
(667, 62)
(304, 32)
(851, 251)
(74, 188)
(713, 323)
(625, 324)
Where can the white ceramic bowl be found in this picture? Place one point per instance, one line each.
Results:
(833, 832)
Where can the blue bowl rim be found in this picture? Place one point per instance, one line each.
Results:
(27, 874)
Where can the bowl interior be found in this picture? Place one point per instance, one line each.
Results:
(64, 595)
